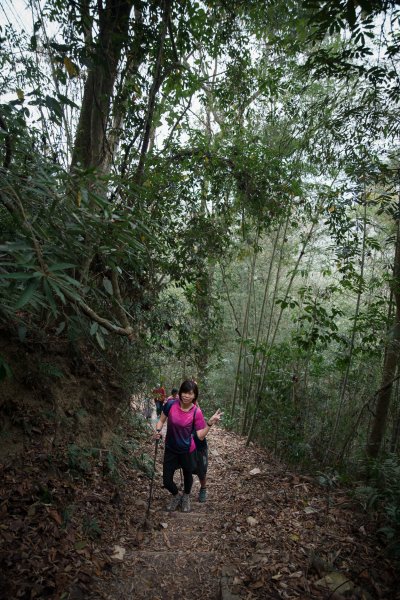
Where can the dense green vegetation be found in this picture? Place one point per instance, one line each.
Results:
(212, 190)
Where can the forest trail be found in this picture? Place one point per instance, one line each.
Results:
(264, 532)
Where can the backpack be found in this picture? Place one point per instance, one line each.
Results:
(201, 452)
(201, 445)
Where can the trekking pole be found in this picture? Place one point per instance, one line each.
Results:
(180, 471)
(152, 480)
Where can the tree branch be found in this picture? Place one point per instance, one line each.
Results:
(117, 294)
(100, 320)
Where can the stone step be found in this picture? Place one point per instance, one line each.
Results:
(178, 514)
(167, 552)
(180, 540)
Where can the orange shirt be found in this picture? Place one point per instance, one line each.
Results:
(159, 394)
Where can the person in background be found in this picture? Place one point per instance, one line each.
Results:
(159, 396)
(184, 418)
(174, 394)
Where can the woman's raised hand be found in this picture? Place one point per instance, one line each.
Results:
(216, 417)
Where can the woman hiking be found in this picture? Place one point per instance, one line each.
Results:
(184, 418)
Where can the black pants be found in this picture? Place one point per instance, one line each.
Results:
(174, 461)
(159, 405)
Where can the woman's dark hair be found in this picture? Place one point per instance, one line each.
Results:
(189, 386)
(174, 391)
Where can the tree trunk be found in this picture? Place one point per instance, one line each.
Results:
(394, 442)
(383, 401)
(90, 149)
(390, 365)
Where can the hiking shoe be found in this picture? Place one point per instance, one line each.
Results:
(174, 503)
(202, 495)
(185, 503)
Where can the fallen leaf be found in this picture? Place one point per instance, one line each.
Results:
(309, 510)
(277, 576)
(139, 536)
(80, 545)
(56, 516)
(255, 471)
(335, 581)
(251, 521)
(164, 525)
(257, 584)
(118, 553)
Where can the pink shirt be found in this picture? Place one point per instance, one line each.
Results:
(181, 425)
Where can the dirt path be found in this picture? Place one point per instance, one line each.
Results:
(263, 533)
(178, 556)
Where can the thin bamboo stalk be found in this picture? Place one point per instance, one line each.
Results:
(353, 337)
(246, 316)
(288, 289)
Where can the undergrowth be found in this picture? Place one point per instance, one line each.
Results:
(382, 494)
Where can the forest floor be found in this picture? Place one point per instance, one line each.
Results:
(264, 532)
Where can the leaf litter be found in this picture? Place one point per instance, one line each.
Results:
(264, 532)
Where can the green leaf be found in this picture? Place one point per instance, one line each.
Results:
(20, 276)
(66, 100)
(57, 290)
(74, 282)
(93, 328)
(61, 267)
(351, 13)
(27, 295)
(54, 107)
